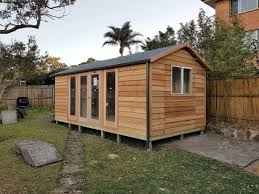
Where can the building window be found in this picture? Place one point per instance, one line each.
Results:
(247, 5)
(73, 96)
(234, 7)
(181, 80)
(253, 37)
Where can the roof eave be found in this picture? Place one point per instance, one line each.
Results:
(102, 68)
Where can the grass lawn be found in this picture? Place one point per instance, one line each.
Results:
(15, 175)
(161, 171)
(116, 168)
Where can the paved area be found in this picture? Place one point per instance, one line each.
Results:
(72, 171)
(254, 168)
(218, 147)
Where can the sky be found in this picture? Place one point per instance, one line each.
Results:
(79, 35)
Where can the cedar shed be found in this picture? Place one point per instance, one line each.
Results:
(148, 96)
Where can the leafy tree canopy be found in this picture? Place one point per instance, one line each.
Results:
(199, 34)
(88, 61)
(19, 14)
(225, 46)
(163, 39)
(18, 61)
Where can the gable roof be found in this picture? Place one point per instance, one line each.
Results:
(138, 58)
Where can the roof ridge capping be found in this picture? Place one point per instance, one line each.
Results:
(189, 47)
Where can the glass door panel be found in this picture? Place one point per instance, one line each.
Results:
(95, 97)
(83, 96)
(73, 96)
(110, 96)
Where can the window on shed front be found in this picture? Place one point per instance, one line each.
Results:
(181, 80)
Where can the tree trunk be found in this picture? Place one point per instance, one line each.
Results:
(3, 90)
(121, 50)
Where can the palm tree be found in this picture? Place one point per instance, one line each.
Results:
(123, 37)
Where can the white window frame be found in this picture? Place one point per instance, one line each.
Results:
(182, 80)
(239, 7)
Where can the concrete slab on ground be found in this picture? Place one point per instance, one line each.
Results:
(218, 147)
(36, 152)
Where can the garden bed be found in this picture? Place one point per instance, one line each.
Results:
(243, 130)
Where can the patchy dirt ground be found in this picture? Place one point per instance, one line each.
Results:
(72, 169)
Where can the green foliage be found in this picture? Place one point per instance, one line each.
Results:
(232, 54)
(123, 37)
(88, 61)
(42, 72)
(163, 39)
(18, 61)
(3, 106)
(225, 46)
(199, 34)
(23, 61)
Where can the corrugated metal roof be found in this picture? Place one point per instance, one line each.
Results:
(137, 58)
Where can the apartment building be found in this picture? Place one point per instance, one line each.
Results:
(246, 10)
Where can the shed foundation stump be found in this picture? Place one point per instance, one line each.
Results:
(202, 132)
(181, 137)
(79, 129)
(102, 134)
(118, 139)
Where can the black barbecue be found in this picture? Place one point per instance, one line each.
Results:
(22, 103)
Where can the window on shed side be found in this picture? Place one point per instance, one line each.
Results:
(187, 81)
(176, 77)
(181, 80)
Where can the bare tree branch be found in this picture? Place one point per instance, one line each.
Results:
(17, 14)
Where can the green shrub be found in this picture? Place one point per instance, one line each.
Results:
(3, 106)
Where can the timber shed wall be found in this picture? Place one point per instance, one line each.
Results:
(130, 101)
(171, 114)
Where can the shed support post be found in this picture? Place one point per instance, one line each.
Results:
(202, 132)
(181, 137)
(118, 138)
(69, 125)
(149, 142)
(57, 122)
(79, 129)
(102, 134)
